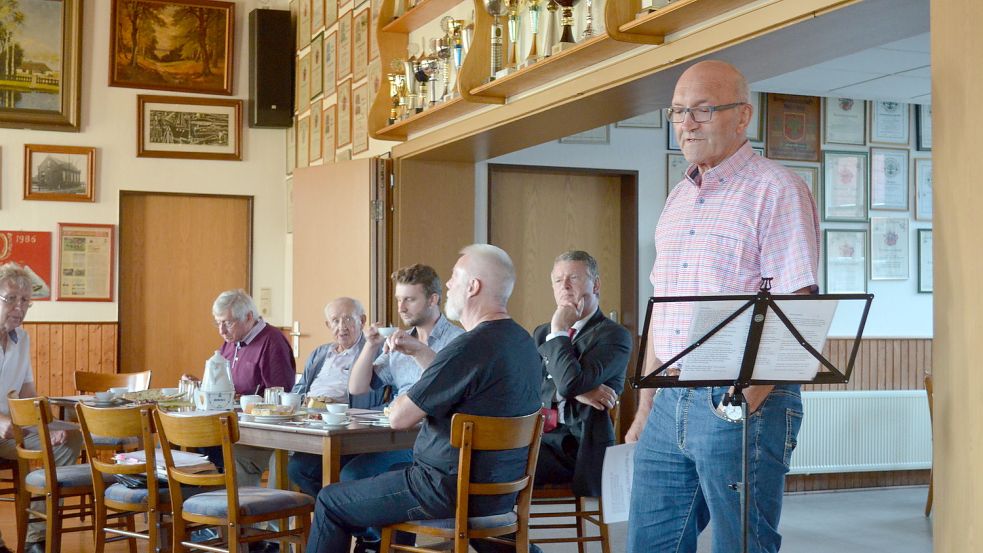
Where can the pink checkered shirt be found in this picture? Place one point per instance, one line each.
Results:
(719, 233)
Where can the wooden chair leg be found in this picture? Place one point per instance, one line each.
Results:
(931, 486)
(99, 525)
(580, 506)
(52, 536)
(21, 502)
(602, 528)
(386, 540)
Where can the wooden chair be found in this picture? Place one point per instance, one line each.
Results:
(88, 382)
(232, 509)
(114, 498)
(471, 433)
(9, 493)
(929, 389)
(558, 501)
(51, 484)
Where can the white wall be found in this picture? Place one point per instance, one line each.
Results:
(897, 311)
(109, 124)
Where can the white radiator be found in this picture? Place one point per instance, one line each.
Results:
(863, 431)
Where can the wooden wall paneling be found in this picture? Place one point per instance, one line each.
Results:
(58, 349)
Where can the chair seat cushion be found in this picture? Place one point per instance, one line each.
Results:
(252, 501)
(140, 496)
(69, 476)
(115, 443)
(474, 523)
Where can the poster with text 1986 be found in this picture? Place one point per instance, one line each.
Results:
(33, 251)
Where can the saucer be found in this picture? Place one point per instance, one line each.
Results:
(346, 422)
(381, 422)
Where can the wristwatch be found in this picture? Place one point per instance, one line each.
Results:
(732, 412)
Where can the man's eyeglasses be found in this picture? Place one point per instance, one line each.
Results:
(225, 325)
(338, 322)
(700, 114)
(14, 300)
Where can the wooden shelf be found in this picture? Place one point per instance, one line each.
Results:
(437, 115)
(419, 15)
(557, 66)
(676, 16)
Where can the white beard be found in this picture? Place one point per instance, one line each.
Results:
(452, 309)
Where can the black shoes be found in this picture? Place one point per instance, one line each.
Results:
(362, 546)
(264, 547)
(34, 547)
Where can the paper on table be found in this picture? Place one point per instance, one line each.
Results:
(780, 357)
(616, 478)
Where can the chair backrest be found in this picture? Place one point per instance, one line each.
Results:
(929, 390)
(32, 413)
(472, 433)
(182, 430)
(120, 422)
(87, 382)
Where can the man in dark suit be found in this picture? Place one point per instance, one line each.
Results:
(585, 356)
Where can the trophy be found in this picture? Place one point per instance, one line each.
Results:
(534, 7)
(589, 25)
(513, 9)
(549, 39)
(397, 93)
(496, 8)
(566, 21)
(430, 73)
(443, 48)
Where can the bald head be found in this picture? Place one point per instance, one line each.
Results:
(492, 266)
(718, 75)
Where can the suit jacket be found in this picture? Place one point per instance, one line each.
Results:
(597, 355)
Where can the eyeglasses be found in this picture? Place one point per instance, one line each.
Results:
(701, 114)
(14, 300)
(338, 322)
(225, 325)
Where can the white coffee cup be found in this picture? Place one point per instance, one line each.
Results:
(387, 331)
(119, 390)
(334, 418)
(337, 408)
(291, 400)
(104, 396)
(247, 401)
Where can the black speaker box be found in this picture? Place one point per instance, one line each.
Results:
(271, 69)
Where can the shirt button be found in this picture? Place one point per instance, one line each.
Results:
(701, 200)
(692, 232)
(722, 181)
(685, 265)
(677, 332)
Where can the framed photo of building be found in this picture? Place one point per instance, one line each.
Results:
(889, 123)
(889, 248)
(199, 39)
(925, 264)
(889, 179)
(86, 262)
(923, 189)
(923, 127)
(189, 128)
(793, 127)
(844, 186)
(845, 121)
(845, 261)
(59, 173)
(48, 42)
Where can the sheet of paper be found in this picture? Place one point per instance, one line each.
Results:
(780, 356)
(616, 477)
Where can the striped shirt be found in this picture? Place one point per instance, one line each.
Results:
(724, 230)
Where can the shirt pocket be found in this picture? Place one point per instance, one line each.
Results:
(727, 263)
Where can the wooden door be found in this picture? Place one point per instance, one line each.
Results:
(177, 253)
(536, 214)
(337, 250)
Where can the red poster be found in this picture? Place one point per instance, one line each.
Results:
(33, 250)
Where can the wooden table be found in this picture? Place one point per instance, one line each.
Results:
(331, 442)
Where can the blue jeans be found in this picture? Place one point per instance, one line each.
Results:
(344, 508)
(304, 469)
(688, 456)
(368, 465)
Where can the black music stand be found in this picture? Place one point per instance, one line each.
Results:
(762, 304)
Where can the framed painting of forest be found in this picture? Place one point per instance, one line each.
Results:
(40, 64)
(180, 45)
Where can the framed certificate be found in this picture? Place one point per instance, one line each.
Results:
(845, 121)
(360, 119)
(292, 147)
(889, 248)
(360, 44)
(793, 127)
(343, 132)
(889, 179)
(317, 16)
(676, 166)
(754, 133)
(925, 285)
(810, 175)
(845, 261)
(304, 82)
(329, 133)
(344, 58)
(86, 262)
(844, 186)
(923, 127)
(671, 142)
(888, 123)
(923, 189)
(651, 120)
(317, 66)
(316, 132)
(304, 24)
(303, 141)
(330, 64)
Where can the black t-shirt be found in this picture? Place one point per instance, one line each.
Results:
(493, 370)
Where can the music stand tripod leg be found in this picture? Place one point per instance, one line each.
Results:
(737, 399)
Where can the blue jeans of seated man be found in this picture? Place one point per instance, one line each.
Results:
(344, 508)
(304, 469)
(687, 457)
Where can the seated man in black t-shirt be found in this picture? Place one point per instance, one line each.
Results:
(489, 370)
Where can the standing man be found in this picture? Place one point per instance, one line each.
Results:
(16, 375)
(260, 357)
(735, 218)
(485, 371)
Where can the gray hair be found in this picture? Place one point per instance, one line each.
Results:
(236, 302)
(495, 265)
(583, 257)
(359, 310)
(17, 275)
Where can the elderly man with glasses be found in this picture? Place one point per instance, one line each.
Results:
(16, 376)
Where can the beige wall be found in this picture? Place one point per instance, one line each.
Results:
(957, 79)
(109, 124)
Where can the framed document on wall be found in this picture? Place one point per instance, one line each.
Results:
(845, 261)
(925, 265)
(808, 174)
(845, 121)
(793, 127)
(889, 179)
(86, 262)
(754, 133)
(360, 44)
(330, 64)
(844, 186)
(329, 133)
(344, 130)
(923, 189)
(923, 127)
(889, 123)
(344, 62)
(889, 248)
(360, 119)
(676, 166)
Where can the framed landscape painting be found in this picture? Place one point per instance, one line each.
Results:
(40, 84)
(189, 128)
(180, 45)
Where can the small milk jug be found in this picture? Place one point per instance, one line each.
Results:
(216, 392)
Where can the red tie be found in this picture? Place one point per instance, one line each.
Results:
(571, 331)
